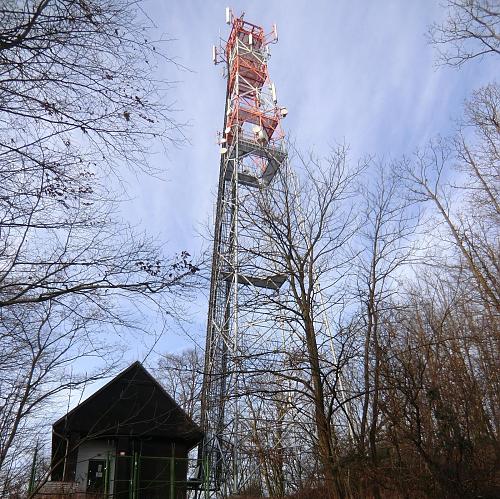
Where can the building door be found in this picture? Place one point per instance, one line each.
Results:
(96, 476)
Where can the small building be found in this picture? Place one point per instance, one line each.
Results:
(130, 439)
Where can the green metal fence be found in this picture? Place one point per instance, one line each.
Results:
(139, 477)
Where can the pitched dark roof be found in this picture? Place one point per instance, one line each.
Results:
(132, 404)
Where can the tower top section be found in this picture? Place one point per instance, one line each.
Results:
(248, 33)
(252, 110)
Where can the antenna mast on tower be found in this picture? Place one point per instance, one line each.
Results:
(252, 152)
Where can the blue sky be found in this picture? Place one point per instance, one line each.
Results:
(355, 71)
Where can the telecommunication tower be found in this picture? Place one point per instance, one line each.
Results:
(252, 153)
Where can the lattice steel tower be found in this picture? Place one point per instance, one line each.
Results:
(252, 152)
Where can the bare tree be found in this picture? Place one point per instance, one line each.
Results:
(471, 30)
(40, 345)
(79, 104)
(182, 376)
(75, 107)
(304, 226)
(471, 219)
(385, 247)
(439, 349)
(439, 373)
